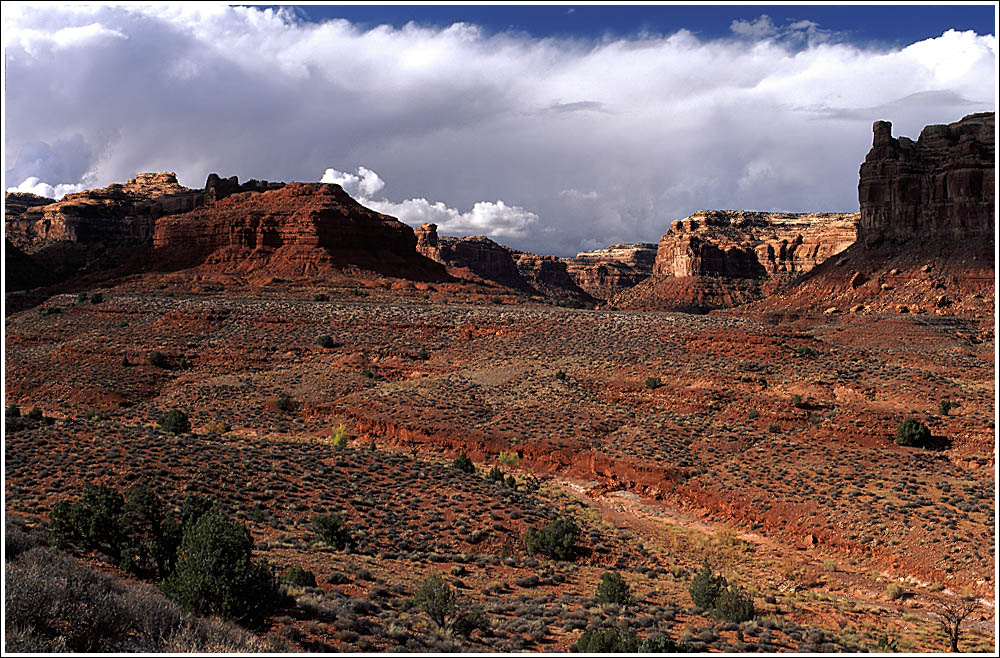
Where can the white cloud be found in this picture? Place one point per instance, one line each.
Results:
(496, 219)
(647, 129)
(33, 185)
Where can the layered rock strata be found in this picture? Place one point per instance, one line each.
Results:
(603, 273)
(476, 258)
(721, 258)
(940, 187)
(299, 230)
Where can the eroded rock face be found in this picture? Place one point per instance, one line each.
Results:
(121, 214)
(301, 229)
(476, 258)
(752, 245)
(550, 276)
(603, 273)
(940, 187)
(722, 258)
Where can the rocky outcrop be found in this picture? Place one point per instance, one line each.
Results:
(940, 187)
(20, 270)
(217, 188)
(926, 234)
(721, 258)
(299, 230)
(475, 258)
(603, 273)
(752, 245)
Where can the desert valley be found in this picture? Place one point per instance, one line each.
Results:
(767, 432)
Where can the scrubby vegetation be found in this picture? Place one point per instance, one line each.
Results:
(557, 540)
(913, 433)
(175, 421)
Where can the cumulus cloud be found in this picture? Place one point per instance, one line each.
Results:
(33, 185)
(493, 218)
(645, 129)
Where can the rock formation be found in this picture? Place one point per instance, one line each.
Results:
(476, 258)
(940, 187)
(719, 258)
(217, 188)
(301, 229)
(603, 273)
(926, 234)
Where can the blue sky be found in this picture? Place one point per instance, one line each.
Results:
(547, 130)
(892, 24)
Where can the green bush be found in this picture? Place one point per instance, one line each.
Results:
(193, 508)
(663, 644)
(607, 640)
(495, 475)
(613, 589)
(435, 597)
(339, 436)
(331, 529)
(734, 605)
(912, 433)
(561, 375)
(321, 297)
(325, 341)
(464, 464)
(299, 577)
(13, 411)
(422, 354)
(216, 575)
(807, 352)
(706, 587)
(175, 421)
(469, 621)
(652, 383)
(156, 358)
(945, 406)
(895, 591)
(557, 540)
(94, 522)
(96, 298)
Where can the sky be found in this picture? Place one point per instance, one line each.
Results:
(552, 129)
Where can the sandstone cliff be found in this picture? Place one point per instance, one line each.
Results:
(603, 273)
(301, 229)
(926, 234)
(721, 258)
(940, 187)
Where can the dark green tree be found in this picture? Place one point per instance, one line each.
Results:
(464, 464)
(607, 640)
(706, 587)
(557, 540)
(734, 605)
(613, 589)
(175, 421)
(912, 433)
(331, 529)
(217, 575)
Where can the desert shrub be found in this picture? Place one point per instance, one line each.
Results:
(946, 406)
(339, 436)
(495, 475)
(807, 352)
(894, 591)
(435, 597)
(464, 464)
(508, 458)
(285, 403)
(561, 375)
(912, 433)
(422, 354)
(216, 575)
(652, 383)
(796, 400)
(175, 421)
(299, 577)
(325, 341)
(613, 589)
(216, 427)
(734, 605)
(193, 508)
(13, 411)
(156, 358)
(331, 529)
(557, 540)
(511, 483)
(607, 640)
(706, 587)
(35, 414)
(470, 620)
(96, 298)
(321, 297)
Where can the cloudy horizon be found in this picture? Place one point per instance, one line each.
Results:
(550, 144)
